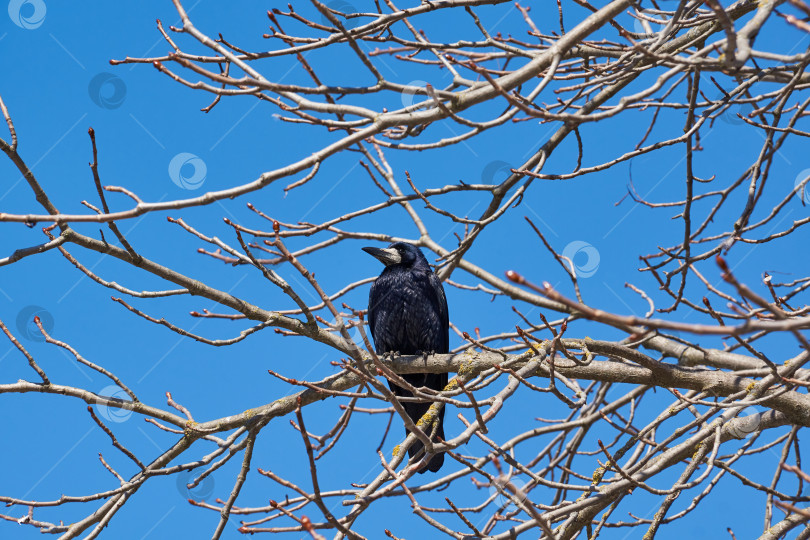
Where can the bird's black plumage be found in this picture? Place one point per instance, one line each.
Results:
(407, 314)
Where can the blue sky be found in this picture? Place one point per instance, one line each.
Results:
(57, 82)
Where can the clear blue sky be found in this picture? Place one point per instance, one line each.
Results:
(57, 82)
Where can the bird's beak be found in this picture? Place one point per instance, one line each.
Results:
(387, 256)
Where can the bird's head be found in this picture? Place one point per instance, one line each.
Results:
(402, 253)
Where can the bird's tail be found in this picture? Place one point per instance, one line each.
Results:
(436, 381)
(436, 461)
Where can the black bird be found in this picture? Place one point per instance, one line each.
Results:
(407, 314)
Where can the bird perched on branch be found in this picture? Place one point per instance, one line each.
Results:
(407, 314)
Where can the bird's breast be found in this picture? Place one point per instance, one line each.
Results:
(405, 314)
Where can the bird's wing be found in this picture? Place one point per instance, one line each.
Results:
(372, 309)
(385, 302)
(444, 316)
